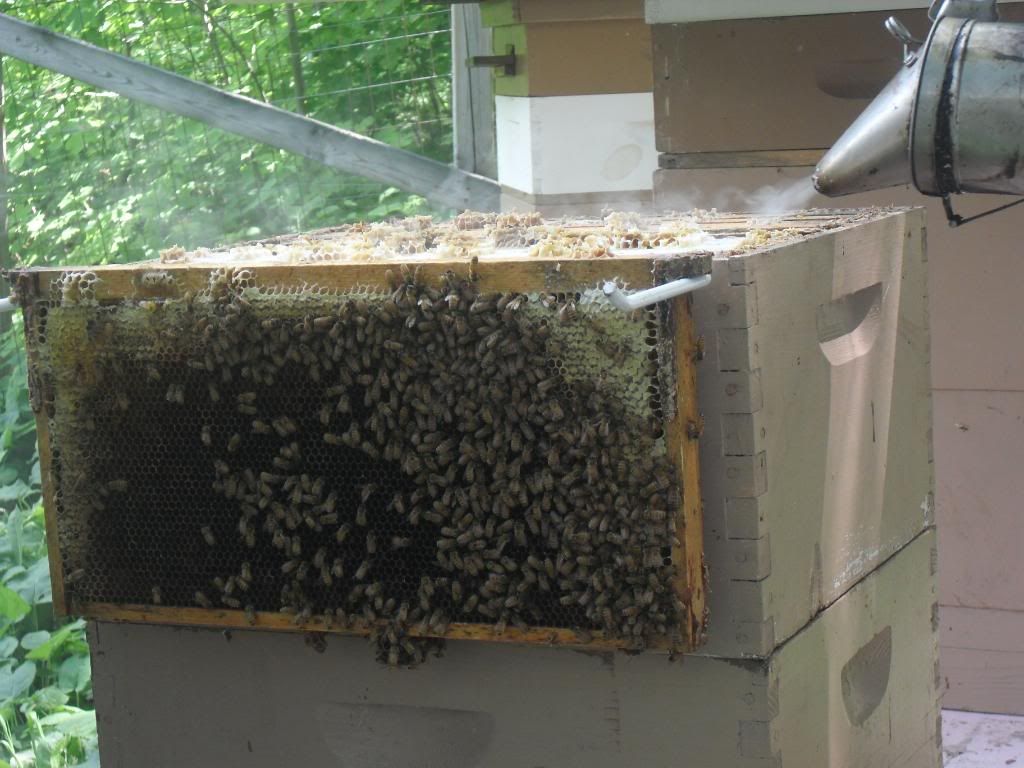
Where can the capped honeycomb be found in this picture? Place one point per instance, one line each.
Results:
(405, 452)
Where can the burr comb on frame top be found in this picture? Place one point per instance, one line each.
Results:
(410, 430)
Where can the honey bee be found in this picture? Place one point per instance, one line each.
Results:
(205, 436)
(208, 536)
(202, 600)
(362, 570)
(330, 503)
(175, 394)
(233, 442)
(155, 594)
(284, 426)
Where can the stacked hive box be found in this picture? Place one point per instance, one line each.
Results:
(410, 431)
(852, 689)
(581, 68)
(816, 449)
(745, 107)
(821, 642)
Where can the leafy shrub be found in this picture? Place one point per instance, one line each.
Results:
(46, 718)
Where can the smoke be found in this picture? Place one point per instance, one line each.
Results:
(782, 198)
(774, 199)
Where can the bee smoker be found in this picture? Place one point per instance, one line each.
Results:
(952, 119)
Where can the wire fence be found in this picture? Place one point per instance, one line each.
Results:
(93, 177)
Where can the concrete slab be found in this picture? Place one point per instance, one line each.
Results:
(973, 740)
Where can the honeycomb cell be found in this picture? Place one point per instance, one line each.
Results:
(404, 460)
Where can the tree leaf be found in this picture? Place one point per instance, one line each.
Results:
(8, 645)
(13, 683)
(92, 760)
(49, 698)
(33, 640)
(12, 605)
(34, 585)
(45, 650)
(74, 674)
(79, 724)
(14, 491)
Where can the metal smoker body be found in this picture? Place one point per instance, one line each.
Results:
(951, 121)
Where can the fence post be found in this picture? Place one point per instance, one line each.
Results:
(472, 94)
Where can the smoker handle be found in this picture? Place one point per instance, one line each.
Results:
(979, 10)
(641, 299)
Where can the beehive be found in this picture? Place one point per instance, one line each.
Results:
(412, 430)
(857, 687)
(821, 631)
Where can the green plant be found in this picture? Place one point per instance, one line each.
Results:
(45, 684)
(93, 177)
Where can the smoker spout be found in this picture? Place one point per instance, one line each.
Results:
(874, 151)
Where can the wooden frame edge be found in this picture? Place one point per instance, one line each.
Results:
(223, 619)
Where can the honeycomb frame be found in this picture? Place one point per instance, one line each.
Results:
(156, 288)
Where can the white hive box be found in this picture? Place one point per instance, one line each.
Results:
(816, 458)
(856, 688)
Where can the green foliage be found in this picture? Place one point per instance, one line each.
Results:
(97, 178)
(93, 178)
(45, 683)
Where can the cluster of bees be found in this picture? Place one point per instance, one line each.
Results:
(414, 460)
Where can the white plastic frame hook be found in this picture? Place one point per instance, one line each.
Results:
(640, 299)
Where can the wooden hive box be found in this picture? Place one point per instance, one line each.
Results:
(857, 687)
(815, 477)
(816, 461)
(813, 386)
(404, 431)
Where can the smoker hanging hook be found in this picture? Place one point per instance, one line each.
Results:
(898, 29)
